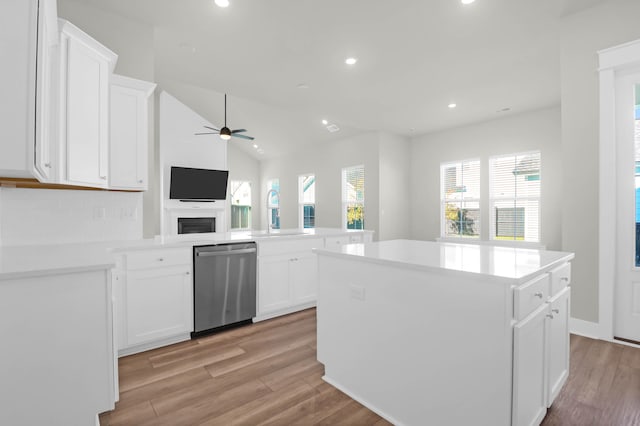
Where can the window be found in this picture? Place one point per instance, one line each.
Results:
(307, 201)
(273, 204)
(353, 197)
(240, 194)
(460, 199)
(514, 188)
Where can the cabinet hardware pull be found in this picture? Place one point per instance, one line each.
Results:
(188, 273)
(160, 259)
(550, 316)
(555, 311)
(103, 177)
(140, 180)
(48, 165)
(564, 279)
(538, 294)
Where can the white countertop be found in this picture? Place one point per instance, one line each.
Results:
(38, 260)
(509, 263)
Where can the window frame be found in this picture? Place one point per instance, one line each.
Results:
(492, 199)
(273, 206)
(302, 204)
(444, 201)
(231, 204)
(346, 203)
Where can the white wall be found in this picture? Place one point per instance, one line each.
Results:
(395, 197)
(583, 34)
(326, 162)
(539, 130)
(45, 216)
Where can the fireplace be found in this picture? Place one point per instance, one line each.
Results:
(196, 225)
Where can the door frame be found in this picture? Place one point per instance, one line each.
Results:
(612, 61)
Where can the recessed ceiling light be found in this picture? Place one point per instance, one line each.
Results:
(350, 61)
(467, 1)
(224, 3)
(255, 146)
(452, 105)
(325, 122)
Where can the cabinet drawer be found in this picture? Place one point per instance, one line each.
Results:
(530, 295)
(560, 278)
(276, 246)
(153, 258)
(331, 242)
(356, 238)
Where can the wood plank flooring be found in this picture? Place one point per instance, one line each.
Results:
(267, 374)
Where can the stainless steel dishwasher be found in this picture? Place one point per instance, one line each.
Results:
(224, 285)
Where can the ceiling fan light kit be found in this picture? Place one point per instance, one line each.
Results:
(226, 133)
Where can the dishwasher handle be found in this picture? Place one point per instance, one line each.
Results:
(225, 252)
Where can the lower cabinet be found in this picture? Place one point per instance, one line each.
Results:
(153, 298)
(286, 281)
(558, 344)
(157, 303)
(529, 399)
(540, 356)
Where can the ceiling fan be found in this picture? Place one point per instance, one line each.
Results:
(226, 133)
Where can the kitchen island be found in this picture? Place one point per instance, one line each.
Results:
(441, 333)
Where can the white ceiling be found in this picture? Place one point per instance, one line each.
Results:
(414, 58)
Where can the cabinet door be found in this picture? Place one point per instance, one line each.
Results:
(46, 92)
(558, 344)
(274, 291)
(529, 353)
(85, 73)
(159, 303)
(303, 276)
(129, 138)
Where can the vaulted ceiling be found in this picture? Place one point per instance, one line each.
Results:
(491, 58)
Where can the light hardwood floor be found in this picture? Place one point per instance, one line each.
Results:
(267, 373)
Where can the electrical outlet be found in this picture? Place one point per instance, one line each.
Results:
(128, 213)
(357, 291)
(99, 213)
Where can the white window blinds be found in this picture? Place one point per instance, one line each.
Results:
(460, 199)
(514, 188)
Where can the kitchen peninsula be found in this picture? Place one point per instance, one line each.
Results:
(442, 333)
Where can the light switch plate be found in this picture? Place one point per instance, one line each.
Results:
(357, 291)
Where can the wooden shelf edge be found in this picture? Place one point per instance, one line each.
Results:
(6, 182)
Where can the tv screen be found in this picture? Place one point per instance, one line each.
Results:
(198, 184)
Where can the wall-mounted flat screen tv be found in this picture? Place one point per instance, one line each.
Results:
(198, 184)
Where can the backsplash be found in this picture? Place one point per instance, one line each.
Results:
(44, 216)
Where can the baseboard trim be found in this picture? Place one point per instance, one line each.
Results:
(584, 328)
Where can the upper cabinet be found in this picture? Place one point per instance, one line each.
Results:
(29, 38)
(85, 69)
(129, 138)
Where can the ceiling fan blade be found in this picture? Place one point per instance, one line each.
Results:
(235, 135)
(238, 130)
(210, 133)
(211, 128)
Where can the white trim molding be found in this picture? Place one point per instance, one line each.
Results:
(611, 61)
(584, 328)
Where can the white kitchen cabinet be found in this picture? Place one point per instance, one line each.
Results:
(157, 303)
(85, 68)
(129, 133)
(28, 83)
(558, 344)
(529, 363)
(303, 275)
(274, 289)
(287, 275)
(154, 298)
(336, 241)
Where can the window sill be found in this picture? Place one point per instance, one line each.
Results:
(501, 243)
